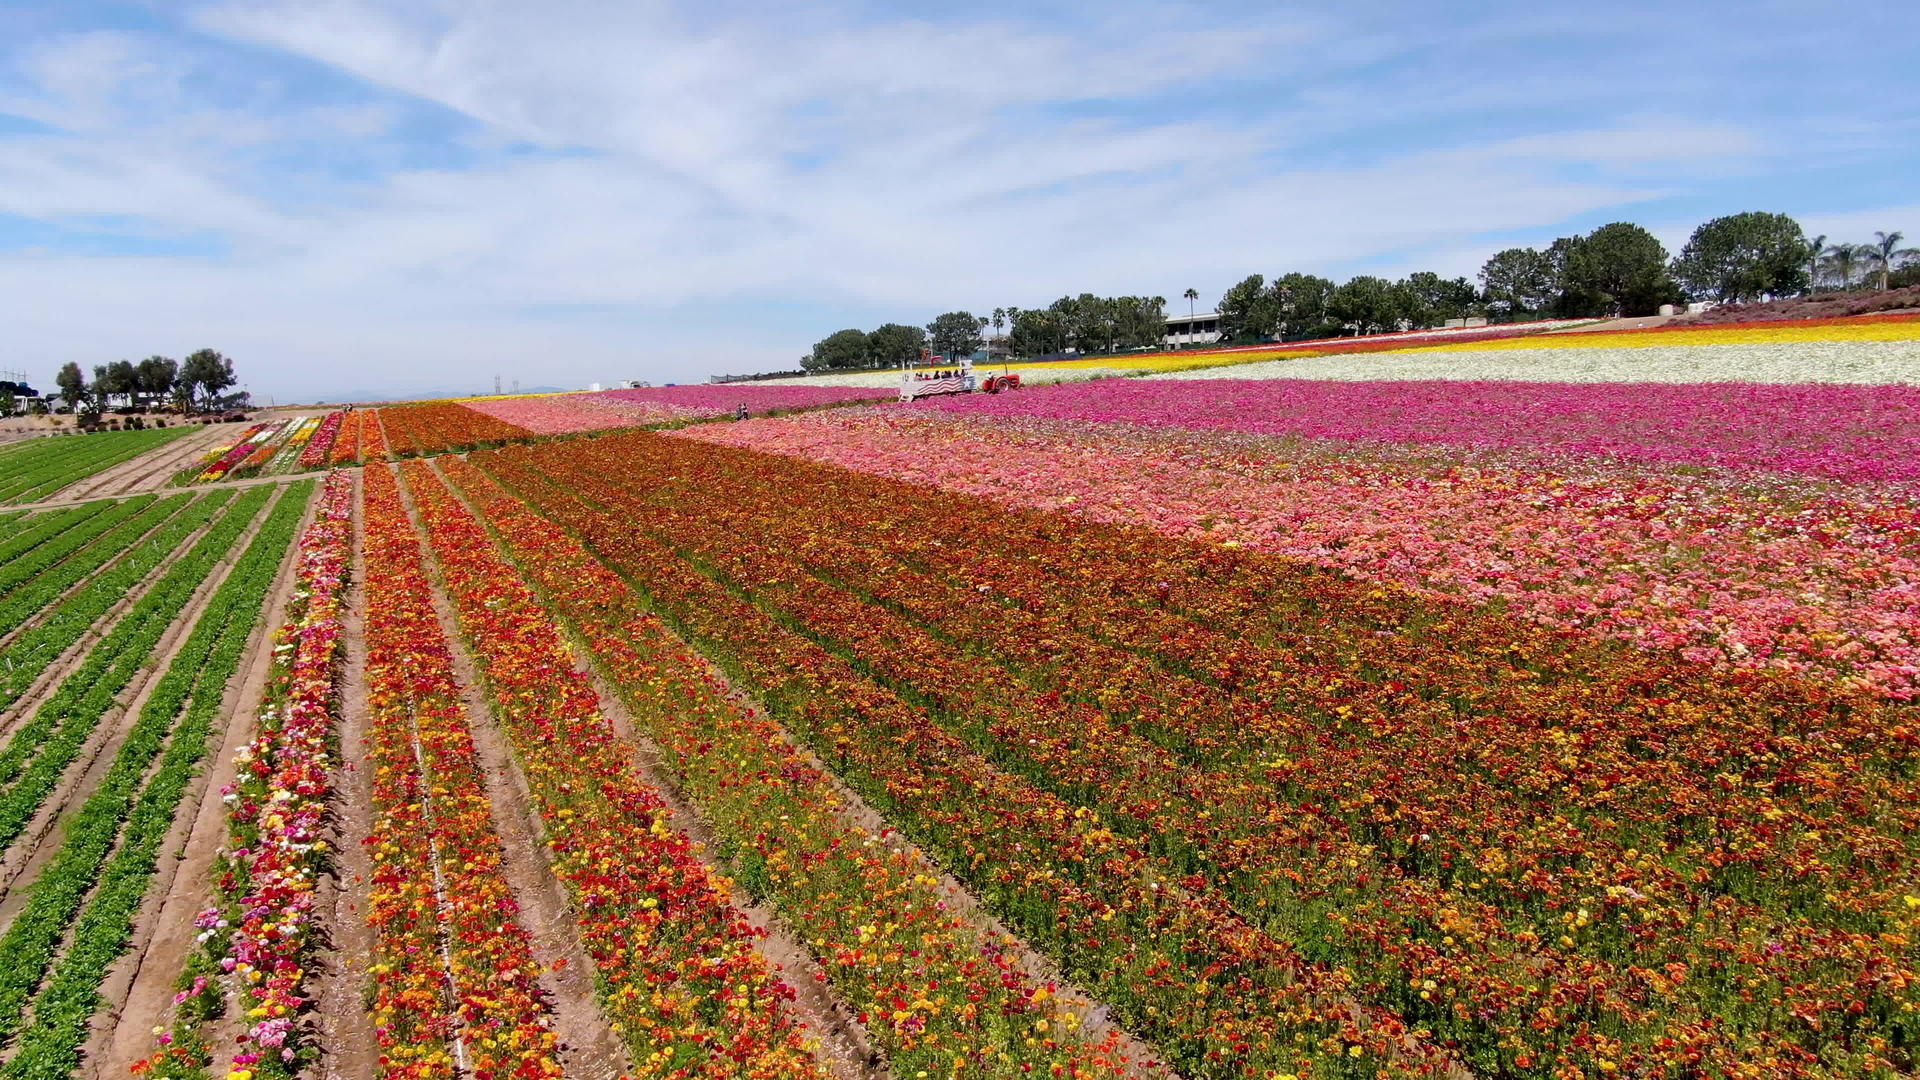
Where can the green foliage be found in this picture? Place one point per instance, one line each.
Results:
(155, 376)
(72, 385)
(1431, 299)
(1247, 310)
(956, 334)
(839, 351)
(112, 663)
(1518, 281)
(1744, 257)
(39, 468)
(1368, 304)
(191, 691)
(1624, 268)
(894, 344)
(207, 372)
(30, 583)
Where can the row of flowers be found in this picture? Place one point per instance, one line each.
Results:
(1648, 361)
(455, 983)
(437, 427)
(318, 450)
(1797, 332)
(223, 461)
(1742, 569)
(959, 998)
(1218, 994)
(666, 405)
(259, 935)
(1852, 433)
(679, 975)
(1424, 800)
(347, 444)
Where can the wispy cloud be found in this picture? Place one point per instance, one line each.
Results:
(410, 196)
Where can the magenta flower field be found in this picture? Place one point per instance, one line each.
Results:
(1742, 567)
(1838, 431)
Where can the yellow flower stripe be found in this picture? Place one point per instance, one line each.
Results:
(1887, 330)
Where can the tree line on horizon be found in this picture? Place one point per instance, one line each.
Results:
(1619, 269)
(158, 381)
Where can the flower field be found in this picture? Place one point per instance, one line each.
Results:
(1128, 729)
(559, 414)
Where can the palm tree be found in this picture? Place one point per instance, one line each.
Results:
(1884, 250)
(1191, 295)
(1814, 248)
(1840, 259)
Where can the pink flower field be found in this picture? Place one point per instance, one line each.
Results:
(1834, 431)
(561, 414)
(1744, 567)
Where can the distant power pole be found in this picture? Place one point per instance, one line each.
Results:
(516, 386)
(496, 386)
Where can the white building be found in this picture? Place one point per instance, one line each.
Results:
(1201, 329)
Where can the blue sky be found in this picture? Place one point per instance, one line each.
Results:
(366, 197)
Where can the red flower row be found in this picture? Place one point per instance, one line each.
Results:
(680, 977)
(936, 987)
(456, 985)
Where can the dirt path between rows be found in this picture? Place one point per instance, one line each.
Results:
(149, 471)
(589, 1047)
(344, 1031)
(139, 989)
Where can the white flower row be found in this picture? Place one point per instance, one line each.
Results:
(1795, 362)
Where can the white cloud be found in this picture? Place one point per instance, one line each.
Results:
(577, 186)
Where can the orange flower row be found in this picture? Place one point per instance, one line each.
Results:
(680, 977)
(934, 986)
(455, 979)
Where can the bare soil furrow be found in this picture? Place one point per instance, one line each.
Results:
(340, 1014)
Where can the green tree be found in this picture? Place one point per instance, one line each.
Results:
(839, 351)
(1432, 299)
(1624, 267)
(1744, 257)
(72, 385)
(893, 344)
(1190, 296)
(155, 376)
(1814, 247)
(1519, 281)
(1037, 332)
(1300, 305)
(207, 372)
(118, 377)
(1839, 262)
(7, 401)
(1247, 310)
(1368, 304)
(1886, 252)
(956, 334)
